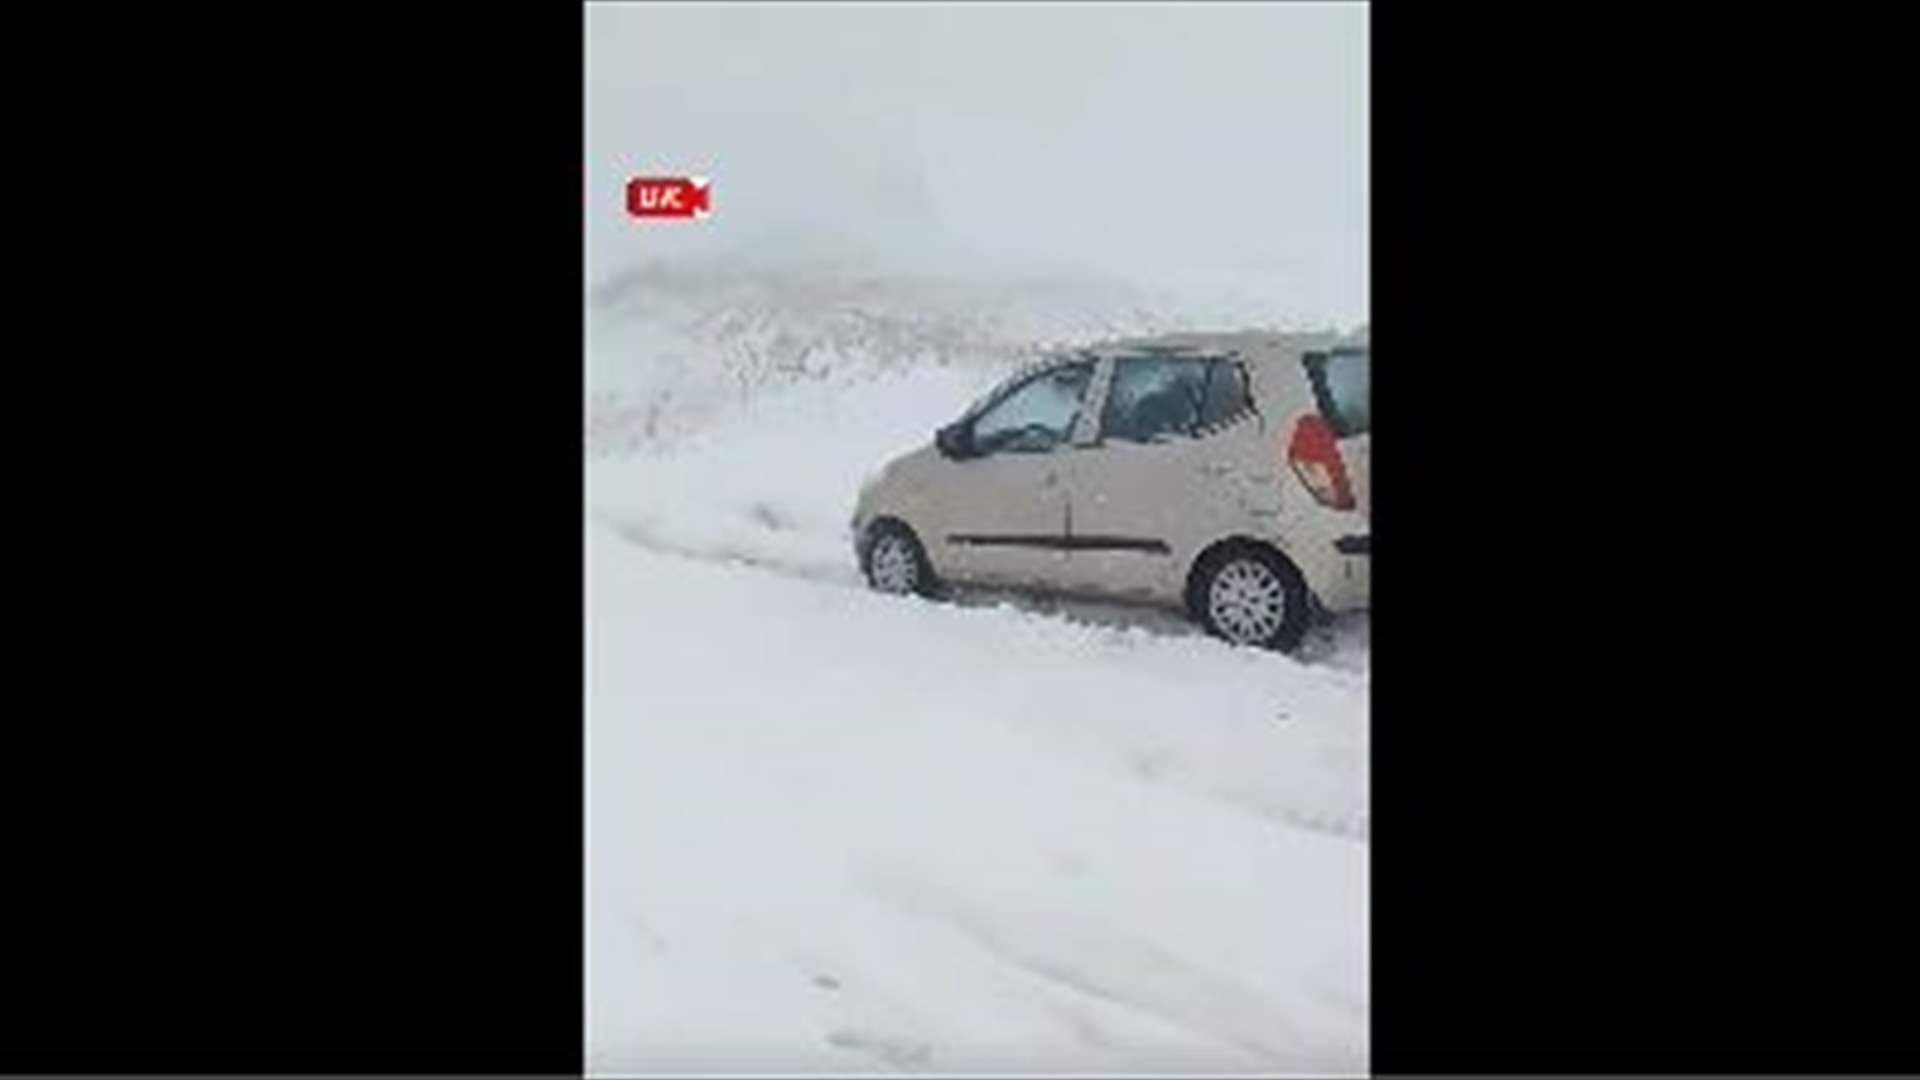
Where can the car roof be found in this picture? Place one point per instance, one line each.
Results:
(1251, 344)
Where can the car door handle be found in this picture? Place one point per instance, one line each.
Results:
(1051, 480)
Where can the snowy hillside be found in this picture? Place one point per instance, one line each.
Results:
(835, 831)
(670, 347)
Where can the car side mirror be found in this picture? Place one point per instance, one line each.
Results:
(955, 440)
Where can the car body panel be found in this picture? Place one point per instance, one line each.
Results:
(1002, 519)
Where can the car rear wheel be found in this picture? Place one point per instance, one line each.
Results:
(1249, 594)
(895, 561)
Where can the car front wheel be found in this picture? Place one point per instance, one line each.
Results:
(895, 562)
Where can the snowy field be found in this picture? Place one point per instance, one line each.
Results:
(832, 831)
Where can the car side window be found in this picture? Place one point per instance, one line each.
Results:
(1227, 393)
(1037, 416)
(1155, 398)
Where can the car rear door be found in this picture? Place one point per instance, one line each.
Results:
(1162, 471)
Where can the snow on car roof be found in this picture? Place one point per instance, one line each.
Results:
(1248, 343)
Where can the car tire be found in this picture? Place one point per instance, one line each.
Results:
(1250, 594)
(894, 562)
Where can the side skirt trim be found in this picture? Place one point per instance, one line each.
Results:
(1063, 543)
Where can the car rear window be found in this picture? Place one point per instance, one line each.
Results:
(1342, 389)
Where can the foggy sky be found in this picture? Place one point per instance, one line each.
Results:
(1144, 141)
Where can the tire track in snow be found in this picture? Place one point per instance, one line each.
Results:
(640, 536)
(1351, 827)
(1324, 646)
(1112, 968)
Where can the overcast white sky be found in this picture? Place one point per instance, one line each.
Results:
(1144, 140)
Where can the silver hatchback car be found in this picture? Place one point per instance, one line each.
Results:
(1225, 475)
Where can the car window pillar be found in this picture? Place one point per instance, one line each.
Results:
(1086, 430)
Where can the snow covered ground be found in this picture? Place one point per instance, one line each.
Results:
(832, 831)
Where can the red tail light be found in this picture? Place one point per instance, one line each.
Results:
(1314, 454)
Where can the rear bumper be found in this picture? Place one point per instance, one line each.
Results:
(1341, 580)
